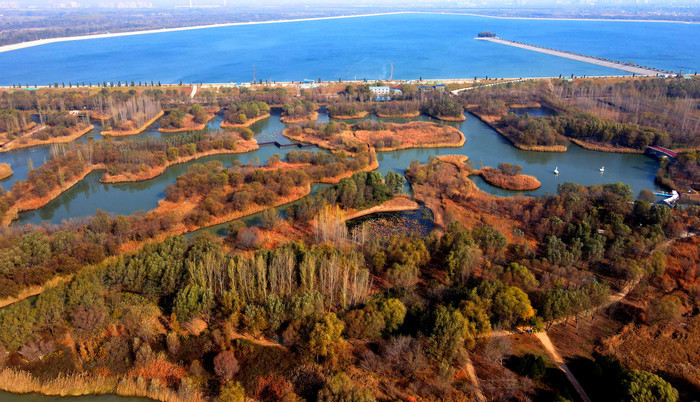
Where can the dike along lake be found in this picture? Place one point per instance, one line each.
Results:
(418, 45)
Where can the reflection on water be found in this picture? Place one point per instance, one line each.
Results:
(534, 111)
(383, 225)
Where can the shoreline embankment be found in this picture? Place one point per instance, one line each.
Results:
(39, 42)
(634, 69)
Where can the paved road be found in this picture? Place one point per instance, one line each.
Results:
(586, 59)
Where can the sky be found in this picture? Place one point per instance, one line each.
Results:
(344, 3)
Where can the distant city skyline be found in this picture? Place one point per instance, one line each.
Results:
(338, 3)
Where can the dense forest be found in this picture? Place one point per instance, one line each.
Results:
(316, 318)
(13, 122)
(622, 113)
(458, 300)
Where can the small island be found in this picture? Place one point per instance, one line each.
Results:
(57, 127)
(5, 171)
(298, 111)
(346, 110)
(378, 135)
(486, 34)
(244, 114)
(508, 177)
(398, 110)
(185, 119)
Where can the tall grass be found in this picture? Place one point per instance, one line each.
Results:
(22, 382)
(18, 381)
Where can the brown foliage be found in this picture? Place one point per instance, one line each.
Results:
(225, 365)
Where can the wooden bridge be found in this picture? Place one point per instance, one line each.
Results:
(290, 145)
(661, 151)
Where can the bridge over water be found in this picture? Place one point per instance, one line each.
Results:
(660, 152)
(290, 145)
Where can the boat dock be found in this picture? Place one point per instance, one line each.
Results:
(672, 196)
(630, 68)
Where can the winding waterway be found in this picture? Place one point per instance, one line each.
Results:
(483, 146)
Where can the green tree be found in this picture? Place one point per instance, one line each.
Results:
(642, 386)
(511, 305)
(50, 308)
(477, 316)
(530, 365)
(394, 313)
(326, 338)
(192, 300)
(395, 182)
(269, 218)
(17, 323)
(462, 261)
(447, 333)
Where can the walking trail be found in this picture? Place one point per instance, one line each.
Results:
(478, 392)
(544, 338)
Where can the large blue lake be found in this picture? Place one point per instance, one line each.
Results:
(418, 45)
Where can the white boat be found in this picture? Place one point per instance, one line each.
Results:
(602, 169)
(556, 170)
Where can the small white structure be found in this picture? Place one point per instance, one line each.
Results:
(673, 198)
(380, 90)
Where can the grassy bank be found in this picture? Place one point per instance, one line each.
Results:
(119, 133)
(188, 125)
(492, 121)
(5, 171)
(600, 147)
(289, 119)
(77, 132)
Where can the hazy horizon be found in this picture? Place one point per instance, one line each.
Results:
(466, 4)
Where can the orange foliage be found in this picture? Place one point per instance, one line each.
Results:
(161, 369)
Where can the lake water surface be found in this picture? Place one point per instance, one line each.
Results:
(418, 45)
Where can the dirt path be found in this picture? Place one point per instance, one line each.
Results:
(261, 342)
(552, 350)
(478, 392)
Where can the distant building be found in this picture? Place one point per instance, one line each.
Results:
(440, 88)
(380, 90)
(383, 93)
